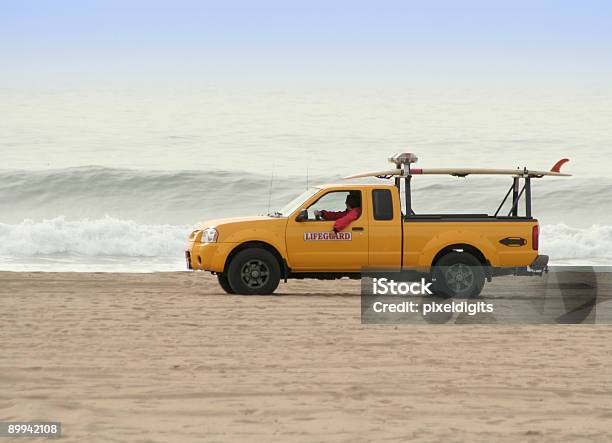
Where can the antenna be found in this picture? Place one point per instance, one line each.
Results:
(306, 177)
(270, 190)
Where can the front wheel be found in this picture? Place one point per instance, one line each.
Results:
(458, 274)
(224, 283)
(254, 271)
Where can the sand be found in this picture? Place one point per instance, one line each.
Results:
(169, 358)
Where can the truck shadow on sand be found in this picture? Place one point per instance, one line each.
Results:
(568, 295)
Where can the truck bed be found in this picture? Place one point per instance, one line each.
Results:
(504, 241)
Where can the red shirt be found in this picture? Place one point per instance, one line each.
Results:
(343, 218)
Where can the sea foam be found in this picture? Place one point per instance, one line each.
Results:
(112, 237)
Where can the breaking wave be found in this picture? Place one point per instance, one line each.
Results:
(562, 242)
(91, 238)
(146, 196)
(111, 237)
(107, 212)
(190, 196)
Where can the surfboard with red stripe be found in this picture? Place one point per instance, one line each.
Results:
(463, 172)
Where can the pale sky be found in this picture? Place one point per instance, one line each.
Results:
(442, 42)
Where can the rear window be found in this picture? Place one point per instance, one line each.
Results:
(383, 206)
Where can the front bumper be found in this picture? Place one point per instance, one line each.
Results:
(208, 256)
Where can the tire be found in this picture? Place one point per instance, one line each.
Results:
(224, 283)
(254, 271)
(458, 274)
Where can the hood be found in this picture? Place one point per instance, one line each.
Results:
(217, 222)
(228, 228)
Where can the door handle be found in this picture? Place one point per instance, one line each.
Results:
(357, 228)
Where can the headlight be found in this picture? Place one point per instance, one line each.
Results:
(209, 235)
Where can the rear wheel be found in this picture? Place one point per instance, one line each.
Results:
(254, 271)
(224, 283)
(458, 274)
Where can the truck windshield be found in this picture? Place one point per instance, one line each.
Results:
(295, 203)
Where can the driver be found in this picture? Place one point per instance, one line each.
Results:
(343, 218)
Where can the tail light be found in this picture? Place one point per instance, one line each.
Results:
(535, 237)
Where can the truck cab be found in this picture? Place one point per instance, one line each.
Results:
(250, 255)
(373, 239)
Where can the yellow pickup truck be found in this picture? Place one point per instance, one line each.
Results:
(250, 255)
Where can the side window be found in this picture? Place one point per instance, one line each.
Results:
(383, 204)
(334, 201)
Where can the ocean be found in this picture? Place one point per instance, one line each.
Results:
(114, 179)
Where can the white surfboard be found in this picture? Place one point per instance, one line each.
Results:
(462, 172)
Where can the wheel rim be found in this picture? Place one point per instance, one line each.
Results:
(459, 277)
(255, 273)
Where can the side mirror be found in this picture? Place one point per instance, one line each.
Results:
(303, 216)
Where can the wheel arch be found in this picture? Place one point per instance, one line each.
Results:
(461, 247)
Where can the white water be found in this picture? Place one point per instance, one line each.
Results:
(110, 244)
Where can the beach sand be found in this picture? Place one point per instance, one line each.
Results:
(167, 357)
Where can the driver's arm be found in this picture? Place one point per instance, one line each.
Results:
(332, 215)
(347, 219)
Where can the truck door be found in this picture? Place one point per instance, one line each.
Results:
(313, 246)
(385, 229)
